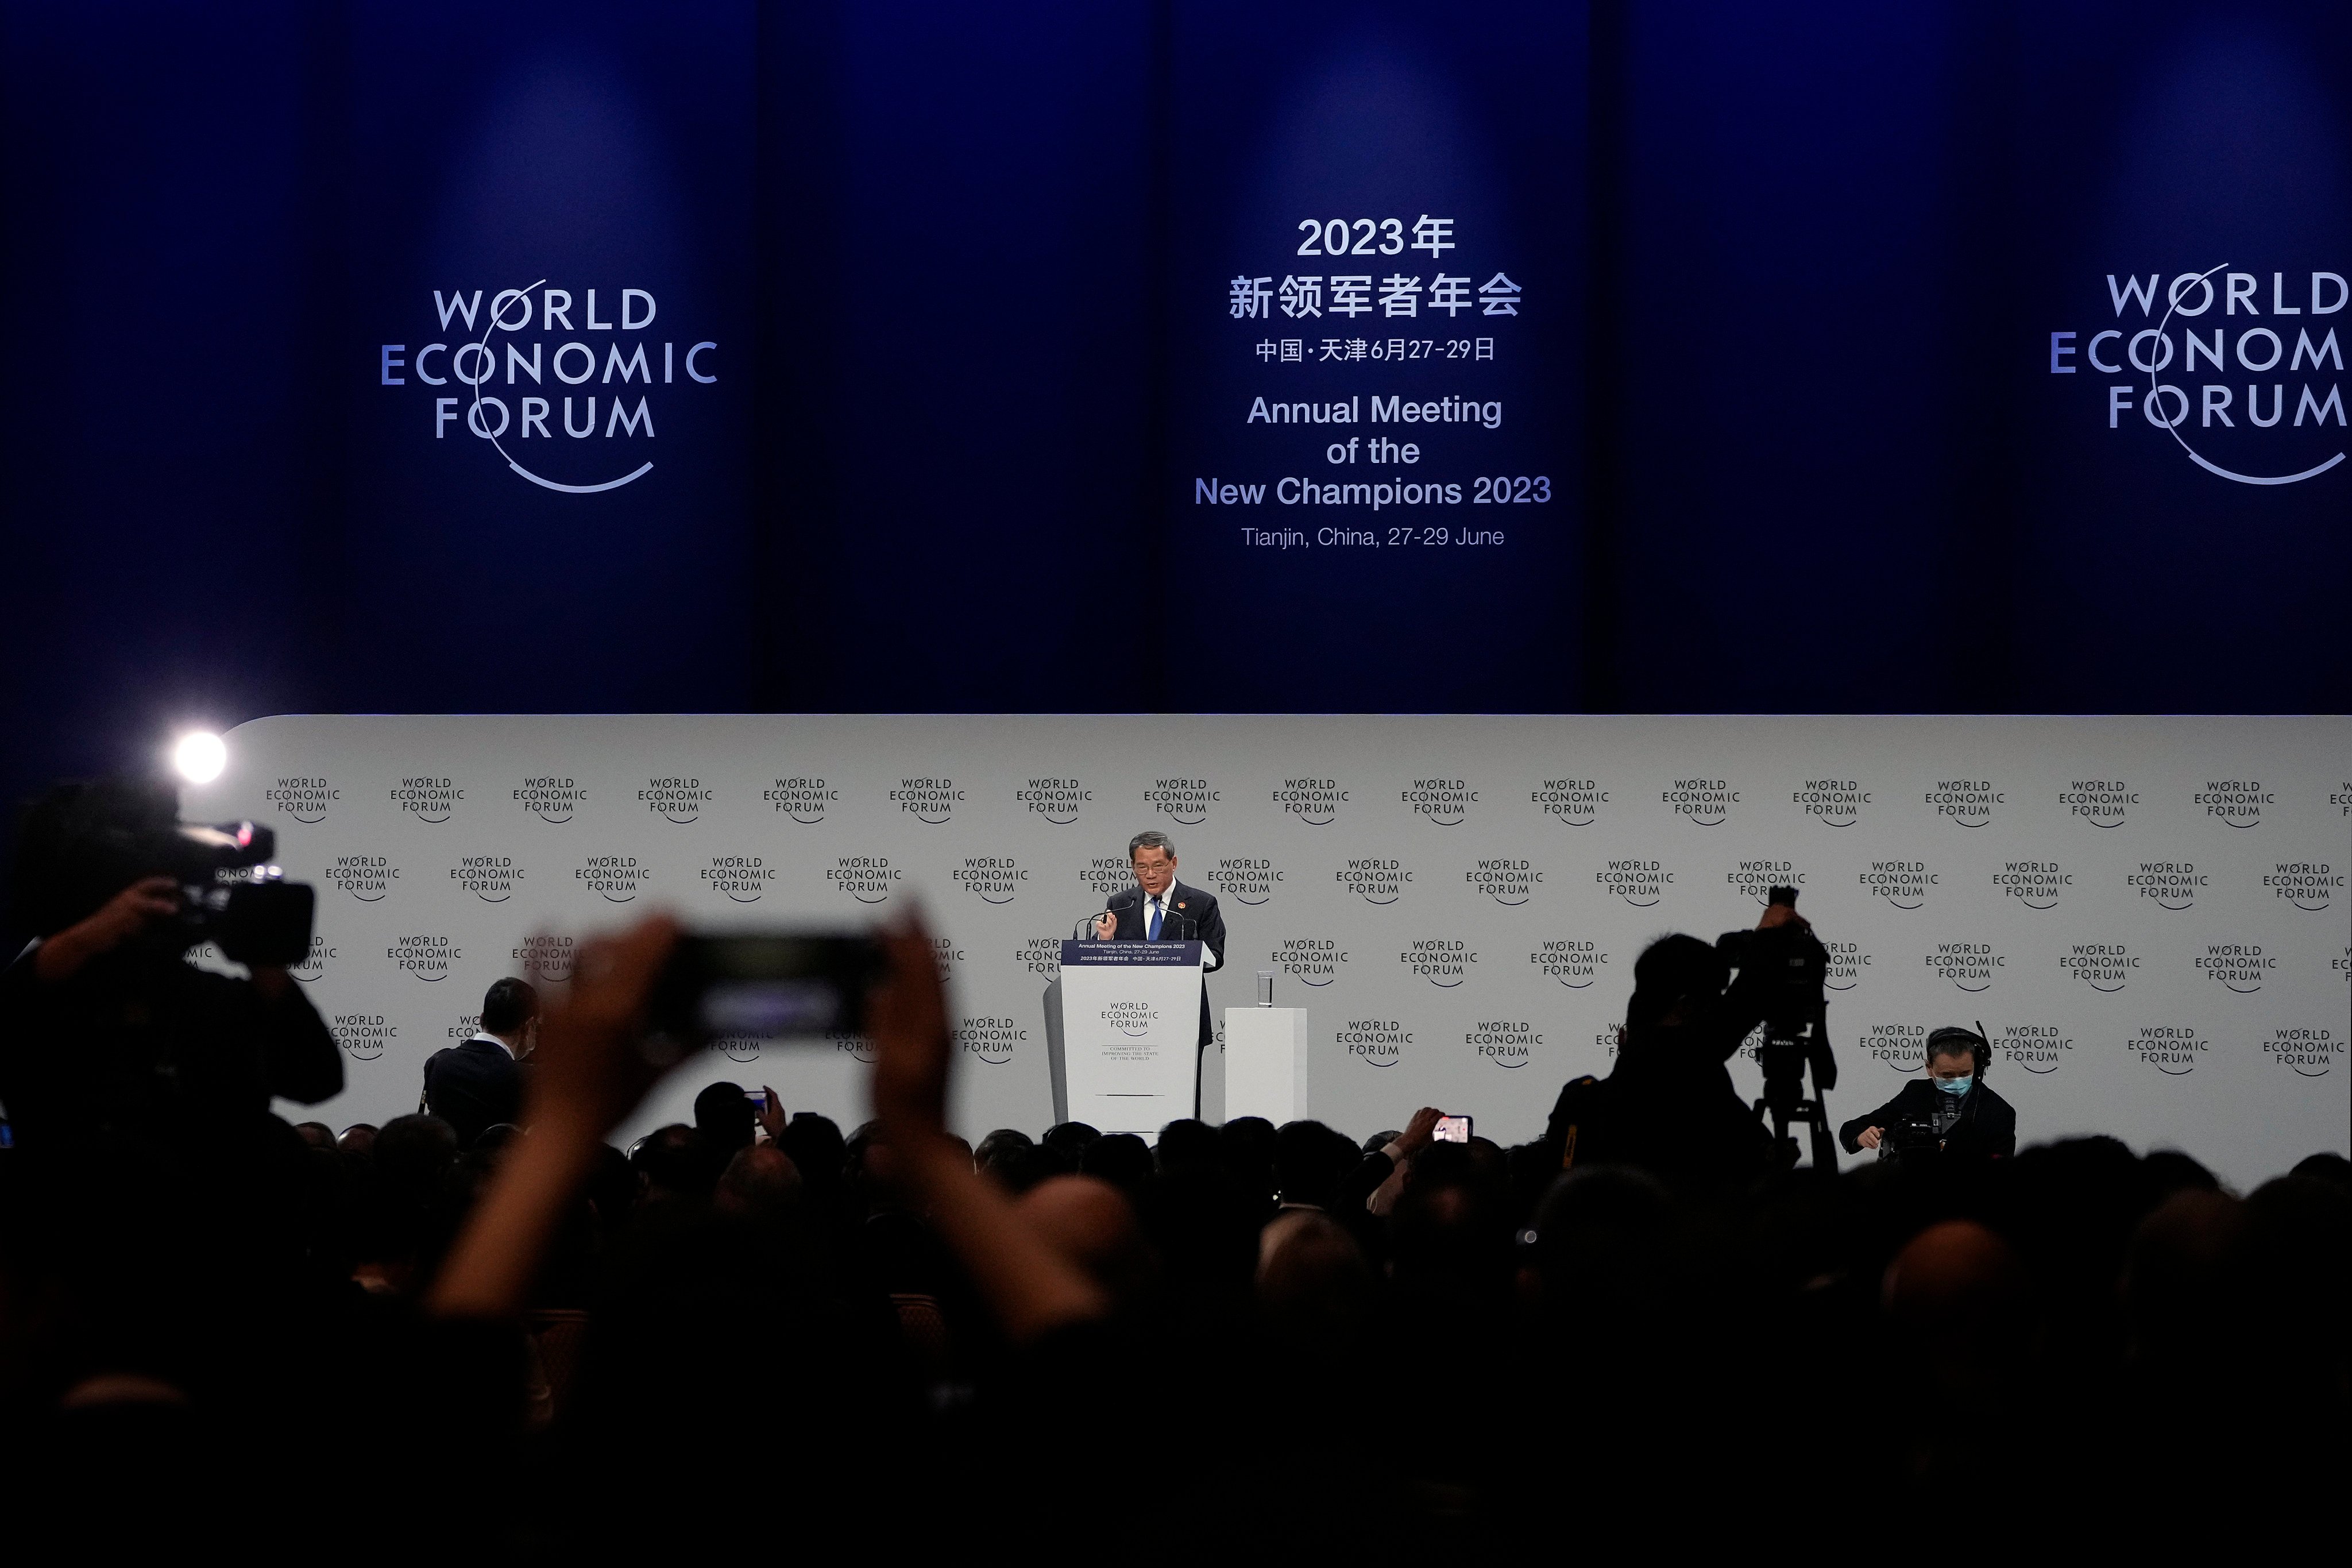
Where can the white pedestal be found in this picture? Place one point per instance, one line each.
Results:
(1265, 1063)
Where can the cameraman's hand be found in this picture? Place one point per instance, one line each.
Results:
(1781, 915)
(121, 918)
(1869, 1137)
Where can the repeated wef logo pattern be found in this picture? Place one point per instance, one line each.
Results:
(2131, 920)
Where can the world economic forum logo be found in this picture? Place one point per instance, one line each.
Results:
(2277, 332)
(525, 337)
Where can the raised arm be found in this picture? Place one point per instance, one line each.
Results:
(587, 1074)
(1033, 1287)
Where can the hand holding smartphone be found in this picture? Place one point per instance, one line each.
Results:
(1452, 1130)
(768, 985)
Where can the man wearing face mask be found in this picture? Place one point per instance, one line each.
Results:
(1968, 1120)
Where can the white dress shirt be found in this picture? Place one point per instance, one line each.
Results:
(494, 1040)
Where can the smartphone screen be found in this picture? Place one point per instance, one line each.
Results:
(767, 987)
(1453, 1129)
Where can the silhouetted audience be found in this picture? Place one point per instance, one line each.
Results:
(1237, 1340)
(725, 1120)
(1122, 1158)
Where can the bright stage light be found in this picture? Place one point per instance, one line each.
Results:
(200, 756)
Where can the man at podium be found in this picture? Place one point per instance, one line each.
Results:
(1159, 908)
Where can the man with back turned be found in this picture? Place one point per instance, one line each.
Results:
(1159, 908)
(478, 1084)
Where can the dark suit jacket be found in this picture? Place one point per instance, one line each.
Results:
(473, 1086)
(1668, 1106)
(1987, 1128)
(1192, 916)
(139, 1050)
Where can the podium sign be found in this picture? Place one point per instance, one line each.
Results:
(1130, 1032)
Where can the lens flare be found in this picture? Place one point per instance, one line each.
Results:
(200, 756)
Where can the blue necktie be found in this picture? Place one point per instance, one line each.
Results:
(1152, 927)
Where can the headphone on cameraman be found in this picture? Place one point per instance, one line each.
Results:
(1950, 1040)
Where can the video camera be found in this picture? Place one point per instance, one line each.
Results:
(234, 895)
(1790, 965)
(84, 843)
(1910, 1137)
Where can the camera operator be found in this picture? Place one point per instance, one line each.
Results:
(108, 1035)
(1668, 1104)
(1950, 1112)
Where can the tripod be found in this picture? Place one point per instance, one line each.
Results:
(1788, 1047)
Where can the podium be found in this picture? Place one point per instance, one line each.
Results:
(1123, 1034)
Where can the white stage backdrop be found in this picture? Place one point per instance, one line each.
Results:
(2149, 915)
